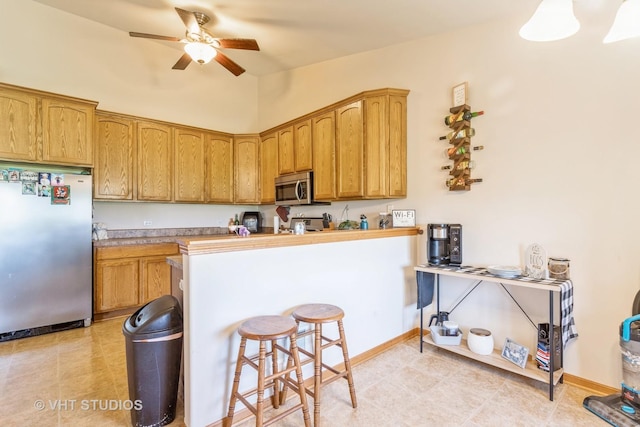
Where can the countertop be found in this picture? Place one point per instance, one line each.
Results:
(194, 241)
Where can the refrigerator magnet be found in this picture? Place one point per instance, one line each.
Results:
(61, 195)
(57, 179)
(44, 190)
(29, 188)
(28, 176)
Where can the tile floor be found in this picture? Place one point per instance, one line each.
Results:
(69, 372)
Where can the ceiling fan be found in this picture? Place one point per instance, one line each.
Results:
(200, 45)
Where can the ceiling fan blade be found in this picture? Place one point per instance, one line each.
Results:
(227, 63)
(182, 63)
(189, 19)
(248, 44)
(154, 36)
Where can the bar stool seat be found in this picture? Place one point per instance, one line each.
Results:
(269, 329)
(319, 314)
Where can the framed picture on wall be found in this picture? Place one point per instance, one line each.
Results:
(460, 94)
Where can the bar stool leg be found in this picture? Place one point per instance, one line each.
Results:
(301, 388)
(274, 366)
(260, 401)
(347, 364)
(236, 381)
(317, 373)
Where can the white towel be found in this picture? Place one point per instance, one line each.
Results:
(569, 330)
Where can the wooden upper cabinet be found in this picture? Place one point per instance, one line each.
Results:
(286, 159)
(114, 157)
(268, 167)
(18, 137)
(349, 151)
(155, 154)
(67, 132)
(376, 146)
(397, 145)
(303, 146)
(218, 168)
(246, 164)
(188, 174)
(323, 135)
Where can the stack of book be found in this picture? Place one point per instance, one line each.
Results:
(542, 356)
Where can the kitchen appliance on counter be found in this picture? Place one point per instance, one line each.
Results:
(253, 221)
(46, 266)
(295, 189)
(310, 223)
(444, 245)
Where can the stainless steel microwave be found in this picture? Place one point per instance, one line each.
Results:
(294, 189)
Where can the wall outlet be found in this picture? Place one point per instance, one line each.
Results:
(147, 223)
(389, 208)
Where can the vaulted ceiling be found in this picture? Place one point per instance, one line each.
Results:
(295, 33)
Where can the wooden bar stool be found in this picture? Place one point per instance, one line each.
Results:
(265, 329)
(318, 314)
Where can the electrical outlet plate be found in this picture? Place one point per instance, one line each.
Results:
(147, 223)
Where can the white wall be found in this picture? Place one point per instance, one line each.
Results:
(558, 164)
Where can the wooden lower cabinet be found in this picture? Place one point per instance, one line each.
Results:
(127, 277)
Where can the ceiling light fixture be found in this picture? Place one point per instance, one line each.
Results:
(553, 20)
(200, 52)
(627, 22)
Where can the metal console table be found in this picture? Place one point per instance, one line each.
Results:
(482, 275)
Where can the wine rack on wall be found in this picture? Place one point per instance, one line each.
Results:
(460, 151)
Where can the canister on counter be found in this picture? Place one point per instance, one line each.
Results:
(558, 268)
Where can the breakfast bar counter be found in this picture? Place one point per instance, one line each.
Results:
(227, 279)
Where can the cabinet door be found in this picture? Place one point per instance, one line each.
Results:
(117, 284)
(67, 132)
(114, 151)
(302, 146)
(397, 146)
(156, 278)
(18, 140)
(323, 135)
(188, 174)
(268, 168)
(349, 151)
(219, 168)
(286, 160)
(376, 147)
(154, 161)
(246, 163)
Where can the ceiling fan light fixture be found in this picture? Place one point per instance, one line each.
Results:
(627, 22)
(553, 20)
(200, 52)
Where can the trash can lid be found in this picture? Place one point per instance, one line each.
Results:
(159, 317)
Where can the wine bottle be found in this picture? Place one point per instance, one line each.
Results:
(462, 181)
(465, 164)
(453, 151)
(463, 115)
(463, 133)
(236, 221)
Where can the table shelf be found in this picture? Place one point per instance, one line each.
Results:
(495, 359)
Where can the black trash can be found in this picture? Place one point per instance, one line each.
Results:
(153, 337)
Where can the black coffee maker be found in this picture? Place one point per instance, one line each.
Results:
(444, 246)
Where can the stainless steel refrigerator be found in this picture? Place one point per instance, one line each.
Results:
(45, 251)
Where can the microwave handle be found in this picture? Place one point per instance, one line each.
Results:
(298, 186)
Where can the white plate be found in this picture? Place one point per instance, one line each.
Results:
(504, 270)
